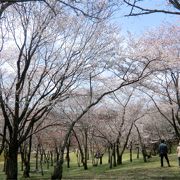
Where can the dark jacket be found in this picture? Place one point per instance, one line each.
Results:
(163, 148)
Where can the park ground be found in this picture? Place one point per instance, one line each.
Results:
(135, 170)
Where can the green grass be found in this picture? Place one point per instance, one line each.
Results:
(136, 170)
(129, 170)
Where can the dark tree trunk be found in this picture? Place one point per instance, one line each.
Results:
(41, 165)
(22, 158)
(144, 153)
(137, 152)
(51, 156)
(120, 158)
(78, 156)
(170, 148)
(12, 165)
(85, 150)
(27, 159)
(143, 148)
(81, 154)
(110, 161)
(41, 155)
(109, 155)
(88, 154)
(48, 159)
(26, 169)
(110, 152)
(92, 153)
(67, 155)
(114, 154)
(117, 152)
(58, 169)
(37, 158)
(100, 160)
(130, 151)
(5, 160)
(44, 156)
(57, 155)
(41, 160)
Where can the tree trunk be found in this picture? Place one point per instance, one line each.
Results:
(85, 150)
(138, 152)
(12, 165)
(41, 165)
(117, 152)
(110, 152)
(58, 170)
(37, 157)
(92, 153)
(26, 169)
(110, 161)
(51, 155)
(120, 158)
(144, 153)
(100, 162)
(41, 159)
(170, 148)
(143, 148)
(130, 151)
(57, 154)
(80, 153)
(5, 160)
(48, 159)
(27, 159)
(114, 154)
(109, 155)
(67, 155)
(22, 159)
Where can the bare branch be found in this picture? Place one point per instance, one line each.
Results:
(144, 11)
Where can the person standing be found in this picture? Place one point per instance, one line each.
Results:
(178, 153)
(163, 152)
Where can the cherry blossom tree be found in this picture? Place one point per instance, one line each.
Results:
(46, 59)
(162, 87)
(92, 9)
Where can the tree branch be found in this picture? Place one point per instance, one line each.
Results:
(144, 11)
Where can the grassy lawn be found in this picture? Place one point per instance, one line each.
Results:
(127, 171)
